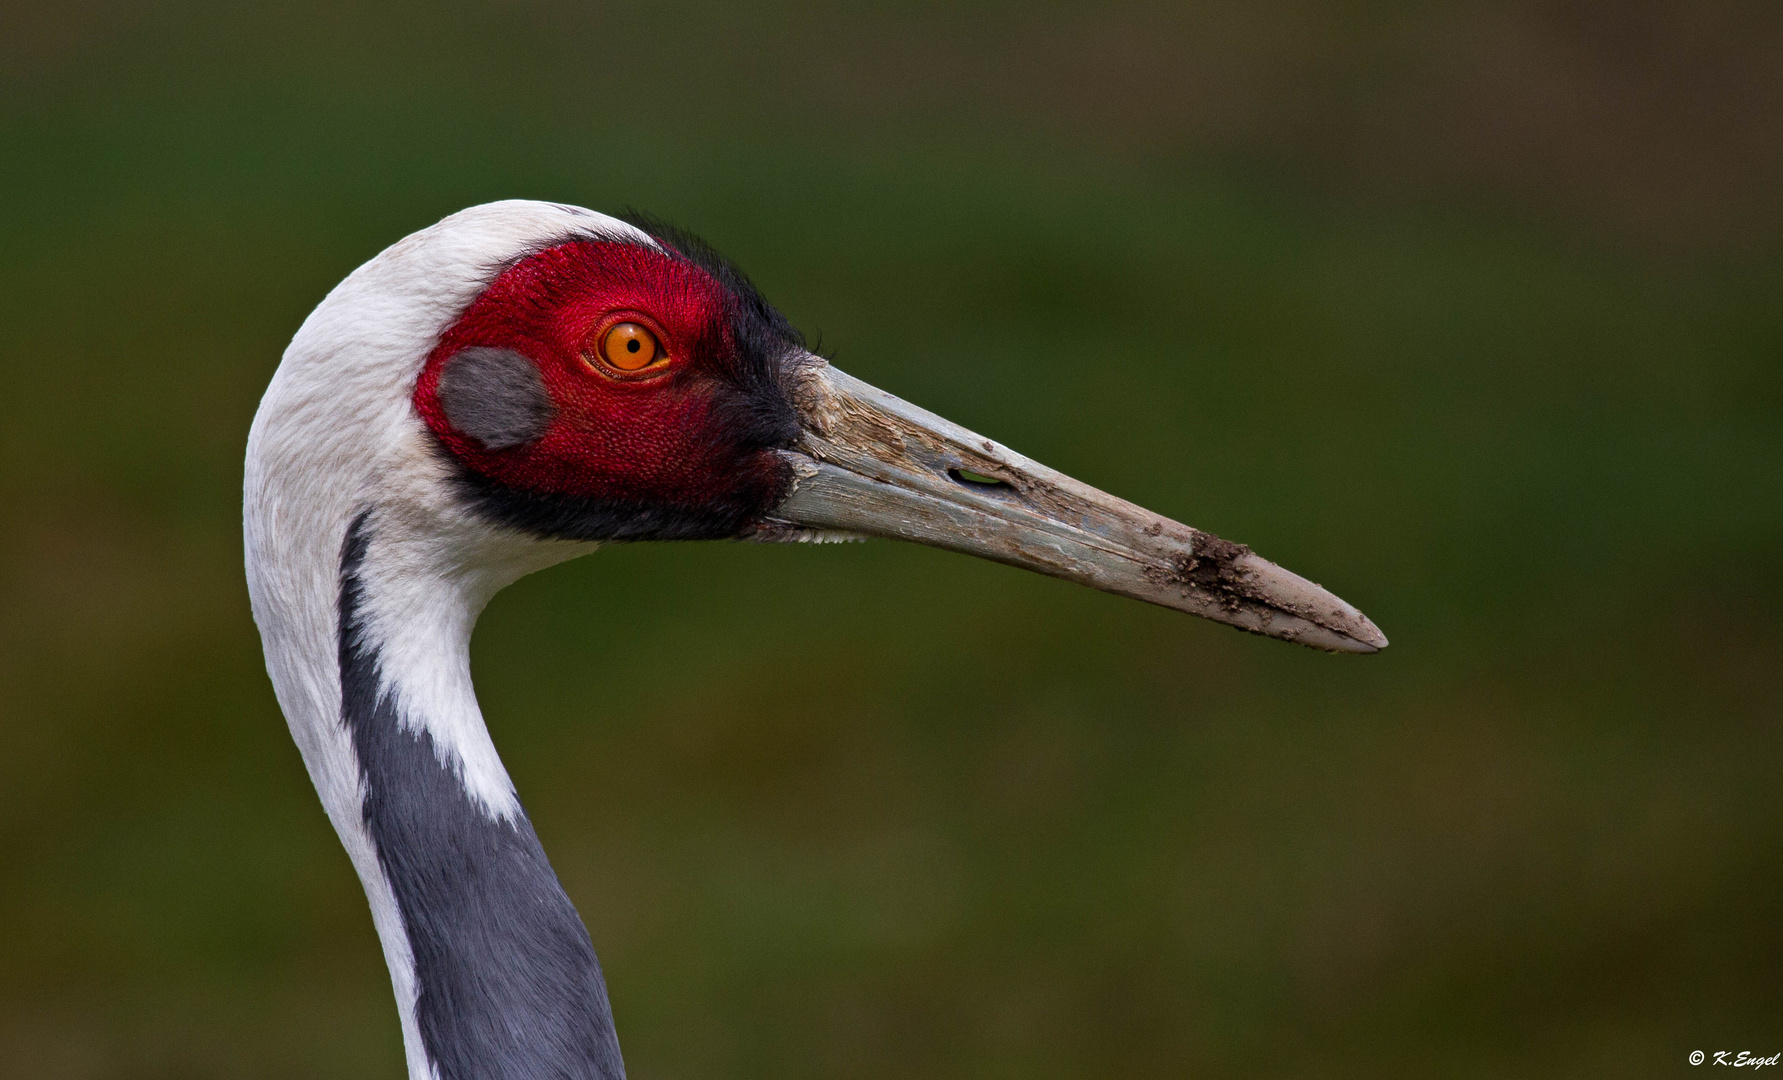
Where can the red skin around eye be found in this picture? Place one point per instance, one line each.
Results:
(654, 439)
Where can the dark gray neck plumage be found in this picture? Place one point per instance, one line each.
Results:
(509, 987)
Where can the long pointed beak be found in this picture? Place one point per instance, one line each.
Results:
(872, 464)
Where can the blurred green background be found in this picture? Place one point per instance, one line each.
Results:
(1469, 311)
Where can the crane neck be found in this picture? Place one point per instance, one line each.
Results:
(367, 573)
(494, 973)
(507, 983)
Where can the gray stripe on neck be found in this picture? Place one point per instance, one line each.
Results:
(509, 986)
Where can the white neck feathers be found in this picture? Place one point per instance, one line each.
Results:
(336, 436)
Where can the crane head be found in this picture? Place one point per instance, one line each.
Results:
(633, 385)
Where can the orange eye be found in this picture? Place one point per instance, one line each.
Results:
(629, 346)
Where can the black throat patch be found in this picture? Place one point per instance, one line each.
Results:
(510, 988)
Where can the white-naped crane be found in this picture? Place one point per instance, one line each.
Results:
(517, 385)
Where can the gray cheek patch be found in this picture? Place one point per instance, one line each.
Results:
(495, 396)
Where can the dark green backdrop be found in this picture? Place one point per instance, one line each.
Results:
(1471, 313)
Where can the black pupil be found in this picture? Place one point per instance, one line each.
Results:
(633, 345)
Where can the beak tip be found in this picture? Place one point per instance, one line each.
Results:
(1362, 640)
(1368, 636)
(1371, 645)
(1306, 612)
(1358, 635)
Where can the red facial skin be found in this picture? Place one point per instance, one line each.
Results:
(661, 437)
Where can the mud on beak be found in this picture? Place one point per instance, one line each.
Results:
(871, 464)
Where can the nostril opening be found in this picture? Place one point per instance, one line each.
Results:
(976, 480)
